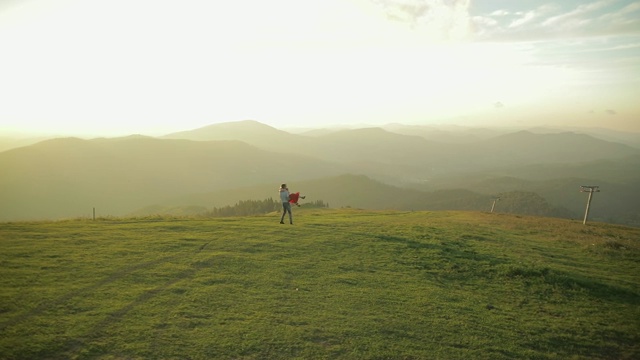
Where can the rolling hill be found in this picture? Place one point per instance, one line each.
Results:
(358, 191)
(248, 131)
(371, 168)
(367, 148)
(68, 177)
(527, 147)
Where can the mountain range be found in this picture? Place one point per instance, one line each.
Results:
(395, 166)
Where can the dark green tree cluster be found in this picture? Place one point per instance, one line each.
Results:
(316, 204)
(256, 207)
(528, 203)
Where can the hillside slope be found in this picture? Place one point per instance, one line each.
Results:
(336, 285)
(358, 191)
(68, 177)
(248, 131)
(407, 157)
(223, 163)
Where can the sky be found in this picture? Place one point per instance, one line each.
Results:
(152, 67)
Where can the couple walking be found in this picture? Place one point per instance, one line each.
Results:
(288, 199)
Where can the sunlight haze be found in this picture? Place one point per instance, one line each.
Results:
(97, 67)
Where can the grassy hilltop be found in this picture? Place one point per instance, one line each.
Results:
(339, 284)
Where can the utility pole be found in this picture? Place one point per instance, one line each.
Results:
(494, 203)
(590, 189)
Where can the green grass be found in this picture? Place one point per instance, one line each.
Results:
(339, 284)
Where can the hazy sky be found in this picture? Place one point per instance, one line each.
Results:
(117, 67)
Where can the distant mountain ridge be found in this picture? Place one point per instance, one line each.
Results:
(248, 131)
(238, 130)
(367, 145)
(217, 164)
(67, 177)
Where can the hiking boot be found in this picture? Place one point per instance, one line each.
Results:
(281, 222)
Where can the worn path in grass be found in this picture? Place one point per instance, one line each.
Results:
(338, 284)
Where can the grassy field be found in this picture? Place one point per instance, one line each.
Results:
(338, 284)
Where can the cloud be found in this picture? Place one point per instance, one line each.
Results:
(528, 17)
(625, 20)
(485, 22)
(436, 19)
(595, 19)
(405, 11)
(551, 21)
(500, 13)
(580, 15)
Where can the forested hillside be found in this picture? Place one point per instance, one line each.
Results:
(217, 166)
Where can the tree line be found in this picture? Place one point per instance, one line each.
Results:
(257, 207)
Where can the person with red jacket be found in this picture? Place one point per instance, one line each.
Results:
(293, 198)
(287, 199)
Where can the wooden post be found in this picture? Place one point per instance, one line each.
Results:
(94, 214)
(590, 189)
